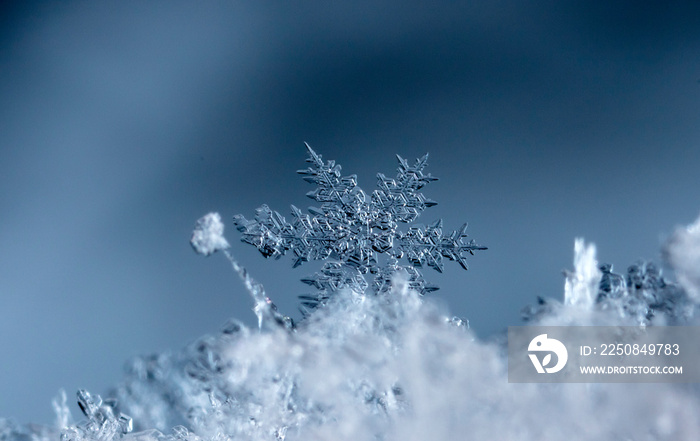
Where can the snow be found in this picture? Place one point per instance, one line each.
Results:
(208, 235)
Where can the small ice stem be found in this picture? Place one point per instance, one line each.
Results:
(257, 291)
(208, 238)
(581, 286)
(61, 409)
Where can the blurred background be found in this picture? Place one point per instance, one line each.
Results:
(121, 123)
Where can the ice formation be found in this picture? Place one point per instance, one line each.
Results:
(208, 238)
(581, 286)
(594, 294)
(354, 230)
(385, 366)
(208, 235)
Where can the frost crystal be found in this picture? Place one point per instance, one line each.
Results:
(354, 230)
(581, 285)
(642, 297)
(208, 235)
(104, 421)
(208, 238)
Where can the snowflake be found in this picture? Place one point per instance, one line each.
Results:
(354, 230)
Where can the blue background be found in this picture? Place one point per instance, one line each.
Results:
(122, 123)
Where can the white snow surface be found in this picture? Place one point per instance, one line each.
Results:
(683, 253)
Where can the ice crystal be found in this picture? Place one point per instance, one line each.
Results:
(354, 230)
(581, 284)
(643, 296)
(208, 238)
(208, 235)
(104, 421)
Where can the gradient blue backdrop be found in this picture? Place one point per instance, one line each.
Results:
(123, 122)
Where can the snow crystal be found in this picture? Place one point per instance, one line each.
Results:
(581, 285)
(208, 235)
(595, 295)
(354, 230)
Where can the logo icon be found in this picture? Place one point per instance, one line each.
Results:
(543, 344)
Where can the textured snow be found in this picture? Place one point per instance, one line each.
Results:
(367, 368)
(208, 235)
(683, 253)
(391, 365)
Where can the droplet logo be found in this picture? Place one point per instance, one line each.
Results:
(543, 344)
